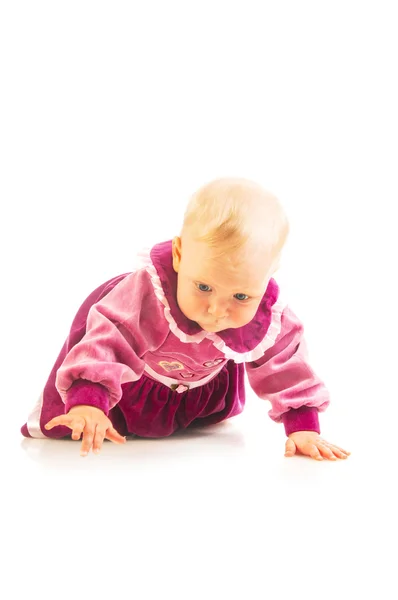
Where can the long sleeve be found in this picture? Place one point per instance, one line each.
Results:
(119, 332)
(284, 377)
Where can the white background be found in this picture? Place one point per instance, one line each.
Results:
(112, 115)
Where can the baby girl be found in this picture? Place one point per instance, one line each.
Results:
(166, 346)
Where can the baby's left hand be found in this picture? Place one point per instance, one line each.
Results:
(311, 444)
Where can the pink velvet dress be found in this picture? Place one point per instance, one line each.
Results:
(132, 353)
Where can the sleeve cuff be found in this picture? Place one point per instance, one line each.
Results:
(88, 393)
(304, 418)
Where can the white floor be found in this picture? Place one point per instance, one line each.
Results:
(219, 513)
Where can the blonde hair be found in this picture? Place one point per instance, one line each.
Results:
(237, 214)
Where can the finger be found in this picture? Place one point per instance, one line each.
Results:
(290, 448)
(340, 454)
(313, 451)
(98, 439)
(341, 450)
(337, 451)
(77, 427)
(88, 436)
(61, 420)
(326, 451)
(114, 436)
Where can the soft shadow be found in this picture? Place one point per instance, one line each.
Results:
(208, 443)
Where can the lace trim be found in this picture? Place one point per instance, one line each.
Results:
(146, 262)
(239, 357)
(268, 341)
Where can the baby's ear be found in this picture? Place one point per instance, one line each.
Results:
(176, 249)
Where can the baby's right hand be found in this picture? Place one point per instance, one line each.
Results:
(94, 424)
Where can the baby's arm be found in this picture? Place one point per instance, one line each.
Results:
(284, 376)
(119, 331)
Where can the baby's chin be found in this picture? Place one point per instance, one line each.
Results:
(212, 329)
(216, 328)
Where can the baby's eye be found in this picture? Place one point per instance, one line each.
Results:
(241, 296)
(203, 287)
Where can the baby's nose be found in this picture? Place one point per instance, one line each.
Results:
(218, 309)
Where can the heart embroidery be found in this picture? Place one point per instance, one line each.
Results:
(213, 363)
(171, 366)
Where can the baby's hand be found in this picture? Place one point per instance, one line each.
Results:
(311, 444)
(94, 424)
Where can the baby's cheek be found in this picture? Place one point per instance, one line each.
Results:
(244, 315)
(200, 306)
(183, 303)
(194, 307)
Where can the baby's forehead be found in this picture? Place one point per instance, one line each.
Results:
(235, 261)
(229, 274)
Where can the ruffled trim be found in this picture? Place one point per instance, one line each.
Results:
(146, 263)
(273, 331)
(268, 341)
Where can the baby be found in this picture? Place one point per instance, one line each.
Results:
(166, 347)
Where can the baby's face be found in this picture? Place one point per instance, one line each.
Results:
(217, 293)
